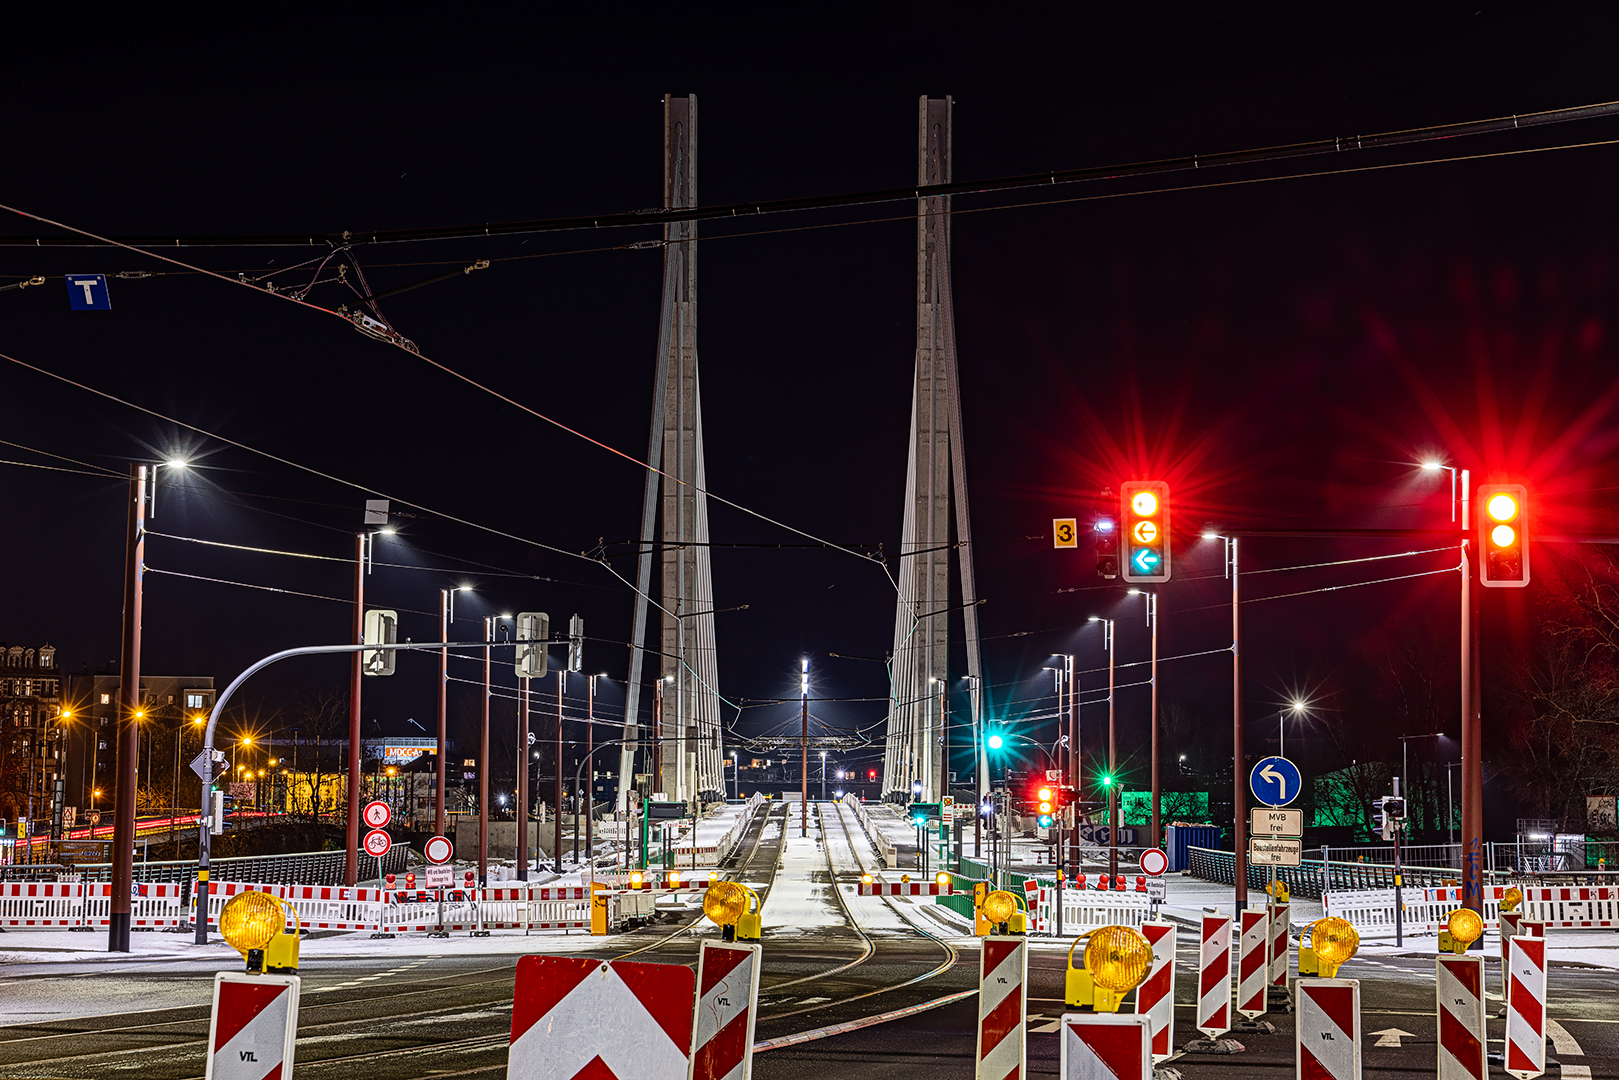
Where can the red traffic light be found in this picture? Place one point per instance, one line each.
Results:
(1503, 533)
(871, 774)
(1145, 519)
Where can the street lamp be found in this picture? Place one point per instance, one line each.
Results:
(1296, 708)
(736, 777)
(823, 776)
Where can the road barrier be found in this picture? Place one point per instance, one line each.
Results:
(253, 1026)
(1253, 963)
(1280, 918)
(885, 847)
(1563, 907)
(1327, 1029)
(1105, 1045)
(74, 905)
(1155, 999)
(149, 905)
(1082, 911)
(1459, 992)
(904, 888)
(717, 852)
(1003, 1003)
(727, 1009)
(1307, 879)
(1526, 1007)
(1214, 976)
(594, 1018)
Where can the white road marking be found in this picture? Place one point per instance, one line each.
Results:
(1562, 1042)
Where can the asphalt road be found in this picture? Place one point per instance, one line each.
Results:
(449, 1015)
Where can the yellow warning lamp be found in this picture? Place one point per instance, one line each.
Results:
(1511, 899)
(905, 877)
(1464, 927)
(1334, 941)
(674, 879)
(942, 879)
(865, 879)
(713, 876)
(1118, 958)
(750, 924)
(254, 924)
(999, 907)
(635, 879)
(724, 903)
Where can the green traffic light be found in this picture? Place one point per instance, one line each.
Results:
(1107, 781)
(996, 742)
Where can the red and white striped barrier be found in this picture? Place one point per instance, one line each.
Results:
(1327, 1029)
(42, 904)
(251, 1030)
(150, 904)
(727, 1009)
(1571, 907)
(1214, 977)
(1526, 1007)
(1104, 1046)
(1003, 996)
(1459, 990)
(323, 907)
(1155, 998)
(1253, 964)
(1512, 924)
(905, 888)
(1034, 898)
(1279, 946)
(595, 1018)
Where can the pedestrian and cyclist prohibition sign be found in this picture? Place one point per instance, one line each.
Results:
(1154, 862)
(438, 849)
(377, 814)
(377, 843)
(1275, 781)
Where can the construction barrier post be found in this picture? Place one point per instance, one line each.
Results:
(574, 1017)
(1526, 1007)
(1003, 979)
(1105, 1046)
(1155, 998)
(1279, 929)
(252, 1027)
(1253, 964)
(1327, 1029)
(1459, 990)
(1214, 977)
(727, 1010)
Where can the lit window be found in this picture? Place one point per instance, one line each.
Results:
(106, 699)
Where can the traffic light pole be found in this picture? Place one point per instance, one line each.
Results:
(441, 767)
(351, 863)
(1239, 766)
(483, 763)
(1112, 763)
(129, 703)
(562, 688)
(522, 779)
(1152, 617)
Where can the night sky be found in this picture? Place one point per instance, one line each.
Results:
(1282, 353)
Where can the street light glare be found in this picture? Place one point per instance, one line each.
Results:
(176, 463)
(1132, 592)
(1211, 536)
(1299, 706)
(388, 532)
(1431, 466)
(1094, 618)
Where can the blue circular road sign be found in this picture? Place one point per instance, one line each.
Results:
(1275, 781)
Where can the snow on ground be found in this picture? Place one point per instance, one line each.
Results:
(801, 899)
(888, 821)
(872, 913)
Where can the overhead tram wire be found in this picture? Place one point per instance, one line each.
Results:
(734, 211)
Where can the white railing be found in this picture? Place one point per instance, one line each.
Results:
(884, 846)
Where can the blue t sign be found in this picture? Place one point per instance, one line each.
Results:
(88, 292)
(1275, 781)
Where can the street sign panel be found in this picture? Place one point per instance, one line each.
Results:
(1154, 862)
(1268, 821)
(1263, 851)
(438, 877)
(1157, 890)
(1275, 781)
(377, 843)
(438, 849)
(377, 814)
(1064, 532)
(88, 292)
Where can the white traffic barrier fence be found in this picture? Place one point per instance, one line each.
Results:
(1427, 910)
(150, 904)
(42, 904)
(727, 1011)
(1003, 1000)
(1253, 963)
(1327, 1029)
(1214, 976)
(1526, 1007)
(594, 1018)
(1105, 1046)
(252, 1028)
(1572, 906)
(1459, 993)
(326, 907)
(1082, 911)
(1155, 998)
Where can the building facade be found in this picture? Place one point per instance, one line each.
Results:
(31, 726)
(174, 710)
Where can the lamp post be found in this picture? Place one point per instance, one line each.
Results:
(589, 797)
(1239, 753)
(1111, 780)
(823, 776)
(1152, 624)
(446, 615)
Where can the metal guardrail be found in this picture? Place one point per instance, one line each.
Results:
(1313, 877)
(304, 868)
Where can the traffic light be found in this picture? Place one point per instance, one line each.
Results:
(1146, 531)
(871, 774)
(576, 643)
(1106, 527)
(380, 627)
(533, 628)
(1503, 528)
(996, 740)
(1046, 805)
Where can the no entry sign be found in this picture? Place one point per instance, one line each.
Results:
(438, 849)
(1154, 862)
(377, 843)
(377, 814)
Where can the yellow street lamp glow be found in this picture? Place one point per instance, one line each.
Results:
(1502, 507)
(999, 906)
(1503, 536)
(1465, 925)
(1511, 899)
(249, 920)
(1145, 503)
(724, 903)
(1334, 941)
(1118, 958)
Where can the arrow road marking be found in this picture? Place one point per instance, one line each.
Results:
(1269, 773)
(1391, 1037)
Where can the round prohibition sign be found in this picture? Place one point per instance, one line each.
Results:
(377, 843)
(438, 850)
(377, 814)
(1154, 862)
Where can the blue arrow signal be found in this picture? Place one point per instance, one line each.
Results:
(1275, 781)
(1145, 561)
